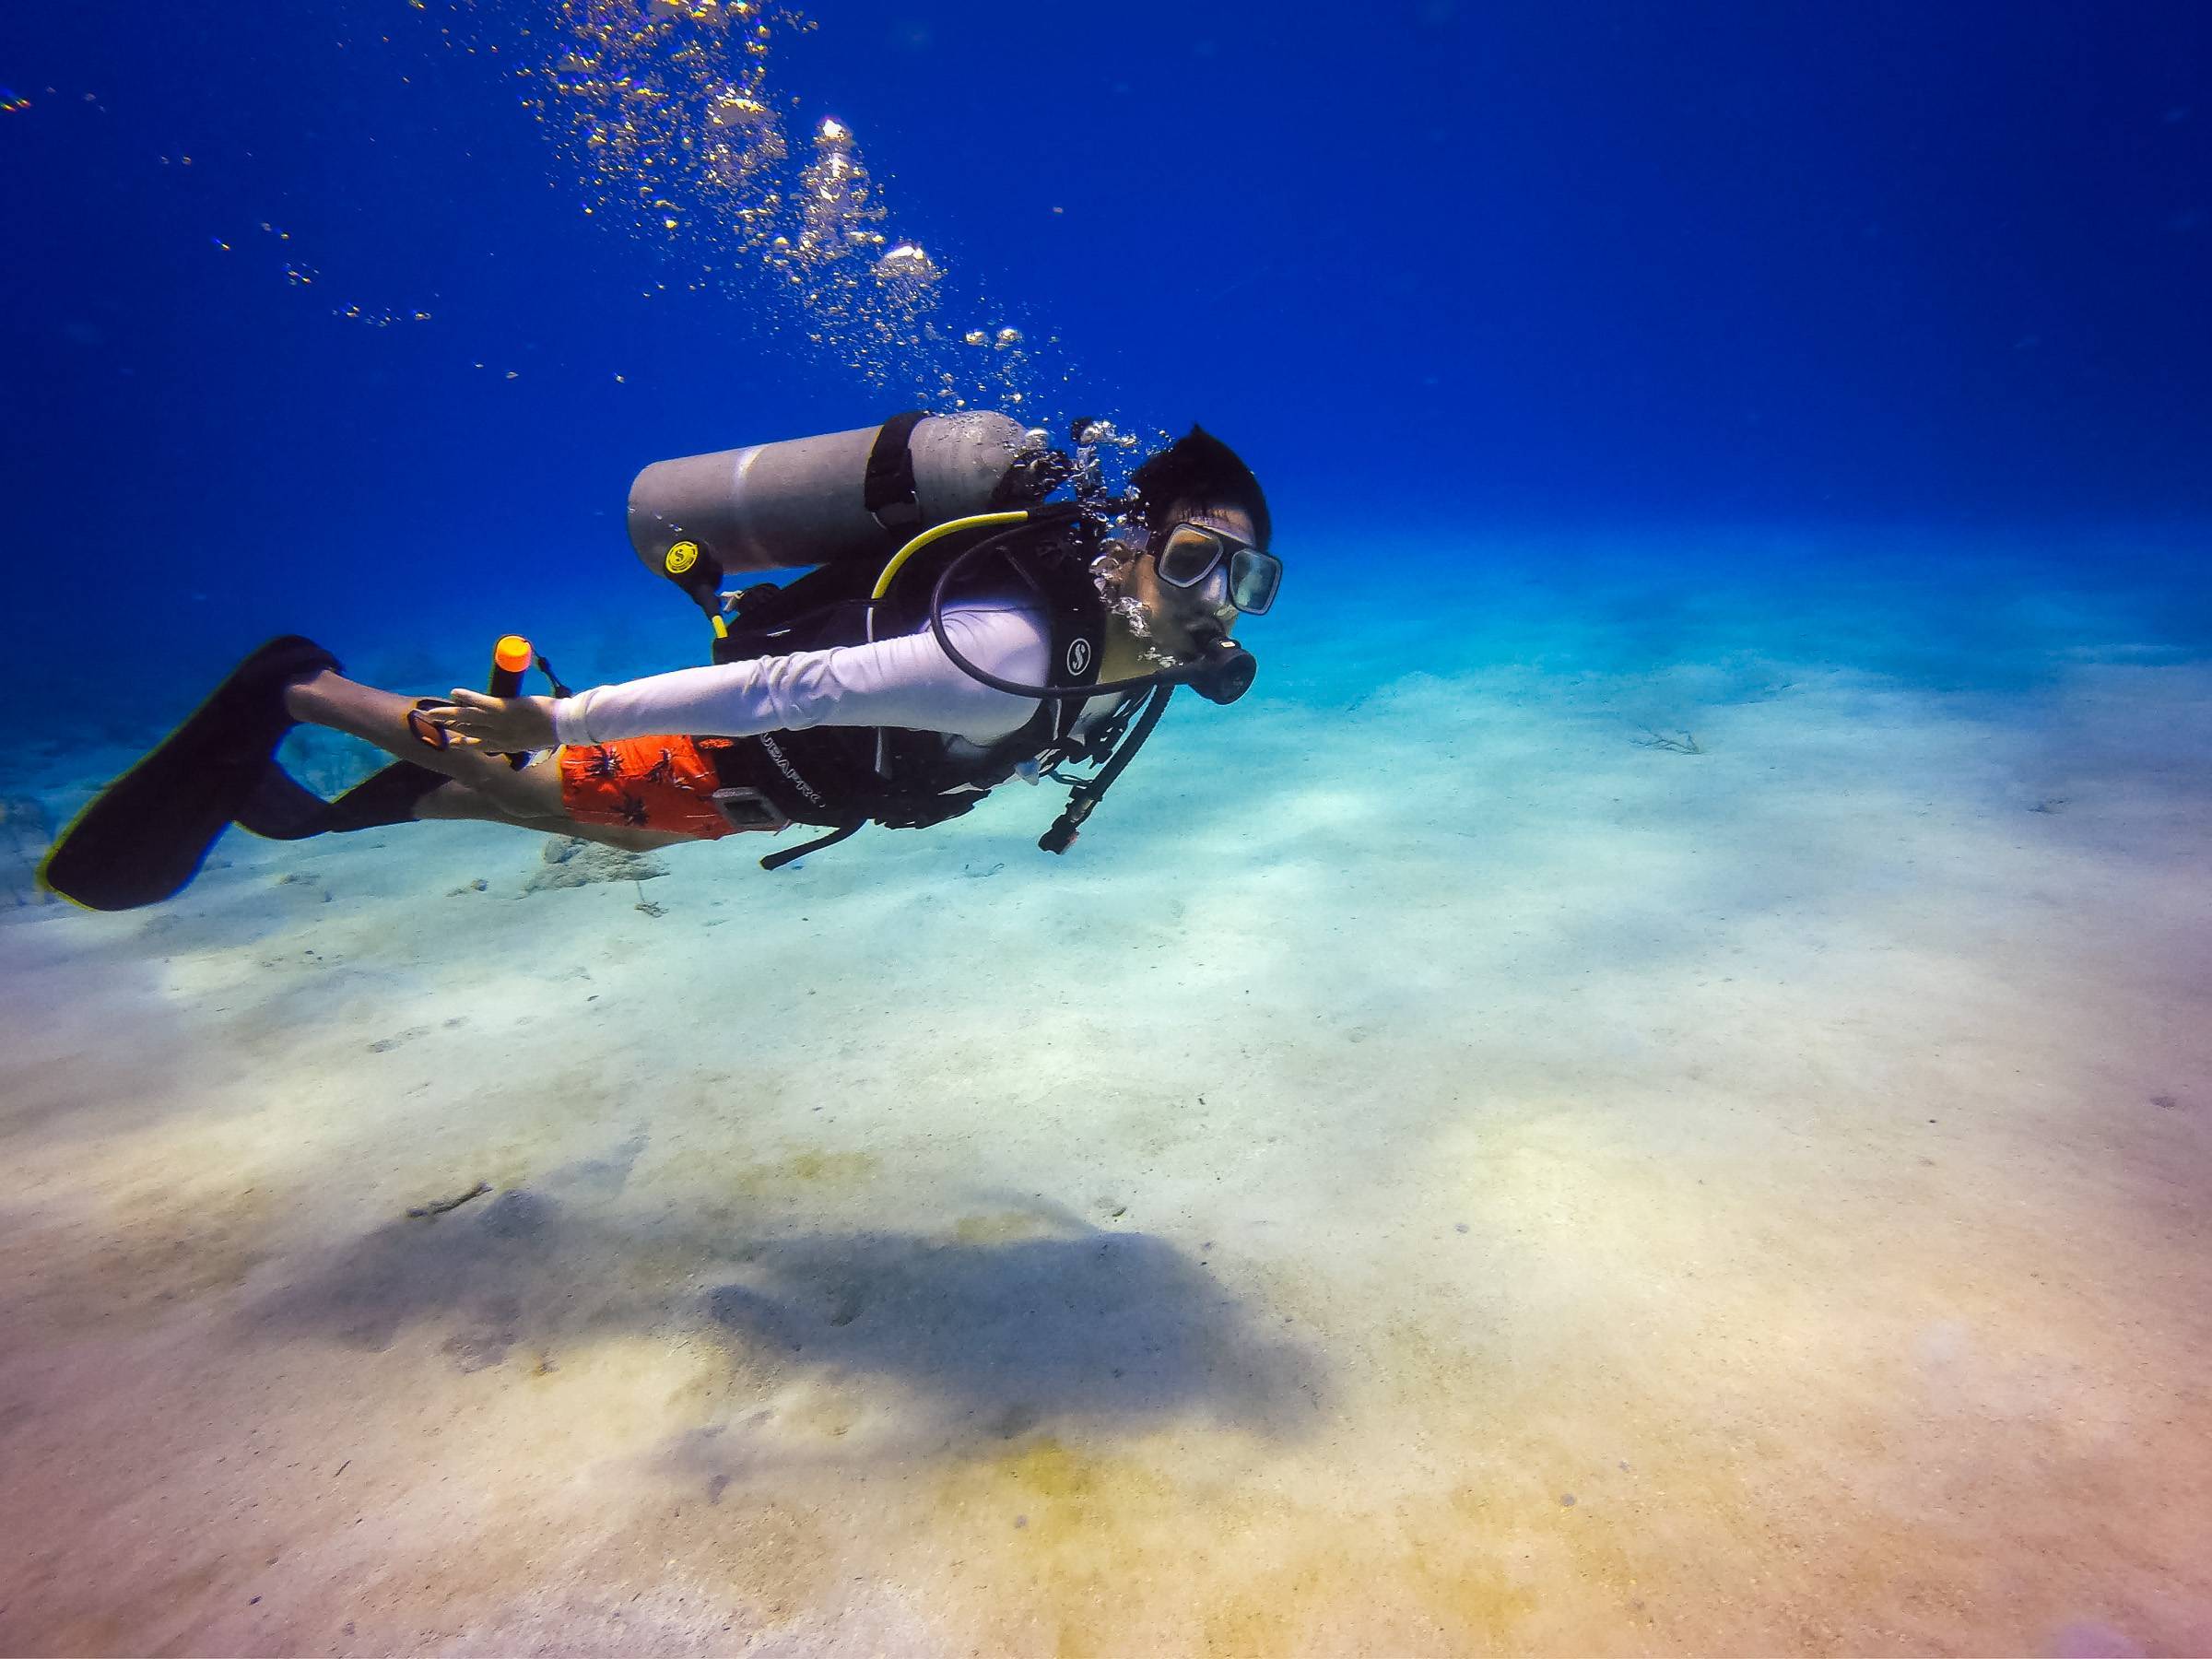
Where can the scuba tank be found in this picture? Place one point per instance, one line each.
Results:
(820, 501)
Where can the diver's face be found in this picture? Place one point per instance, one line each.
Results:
(1179, 617)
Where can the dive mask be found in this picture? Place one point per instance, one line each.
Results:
(1190, 553)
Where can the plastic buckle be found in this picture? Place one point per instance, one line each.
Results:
(749, 809)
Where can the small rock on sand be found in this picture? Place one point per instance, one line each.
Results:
(570, 862)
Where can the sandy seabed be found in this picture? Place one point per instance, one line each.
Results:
(1431, 1173)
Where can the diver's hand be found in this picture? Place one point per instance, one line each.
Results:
(505, 725)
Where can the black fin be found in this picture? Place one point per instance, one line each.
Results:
(384, 797)
(281, 809)
(145, 835)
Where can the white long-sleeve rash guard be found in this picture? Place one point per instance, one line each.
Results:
(907, 682)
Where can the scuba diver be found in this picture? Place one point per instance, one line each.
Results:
(957, 628)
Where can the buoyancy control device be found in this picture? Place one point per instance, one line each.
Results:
(888, 522)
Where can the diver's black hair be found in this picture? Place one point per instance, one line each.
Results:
(1199, 467)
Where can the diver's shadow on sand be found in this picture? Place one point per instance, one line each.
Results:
(979, 1339)
(1096, 1325)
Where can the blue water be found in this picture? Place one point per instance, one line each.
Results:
(1441, 268)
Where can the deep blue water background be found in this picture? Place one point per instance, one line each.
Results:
(1927, 280)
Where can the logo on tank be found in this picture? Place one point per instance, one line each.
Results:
(1078, 656)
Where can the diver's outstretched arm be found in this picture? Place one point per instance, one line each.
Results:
(381, 717)
(482, 788)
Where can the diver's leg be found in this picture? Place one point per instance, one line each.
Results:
(458, 801)
(381, 717)
(482, 787)
(145, 835)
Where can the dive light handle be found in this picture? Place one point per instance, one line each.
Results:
(510, 659)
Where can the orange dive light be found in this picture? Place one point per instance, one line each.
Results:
(510, 659)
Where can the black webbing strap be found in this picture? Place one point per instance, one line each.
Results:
(544, 666)
(888, 493)
(776, 860)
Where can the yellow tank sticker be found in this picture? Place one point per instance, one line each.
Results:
(680, 558)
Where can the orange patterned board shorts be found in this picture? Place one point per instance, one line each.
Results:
(661, 784)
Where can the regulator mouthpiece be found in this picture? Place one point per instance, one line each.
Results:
(1224, 671)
